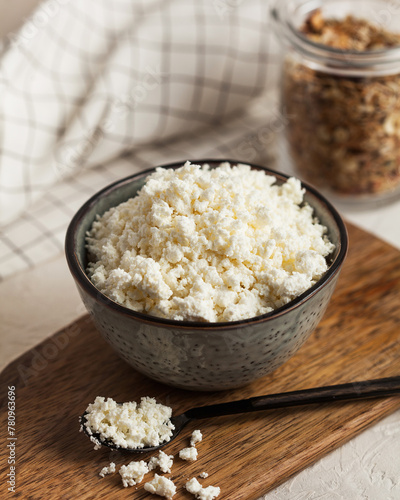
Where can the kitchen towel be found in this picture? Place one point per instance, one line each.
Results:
(96, 90)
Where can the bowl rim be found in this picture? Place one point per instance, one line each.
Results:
(84, 281)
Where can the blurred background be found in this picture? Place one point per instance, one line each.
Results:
(12, 18)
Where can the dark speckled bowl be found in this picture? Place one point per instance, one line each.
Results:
(193, 355)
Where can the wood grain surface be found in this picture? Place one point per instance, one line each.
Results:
(246, 455)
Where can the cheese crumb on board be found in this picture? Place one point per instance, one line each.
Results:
(196, 489)
(189, 454)
(163, 461)
(197, 437)
(129, 425)
(107, 470)
(161, 486)
(203, 475)
(133, 473)
(201, 244)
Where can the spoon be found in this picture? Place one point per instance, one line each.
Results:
(350, 391)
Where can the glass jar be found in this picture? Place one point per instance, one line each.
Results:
(340, 104)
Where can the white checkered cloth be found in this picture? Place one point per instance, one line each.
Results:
(93, 91)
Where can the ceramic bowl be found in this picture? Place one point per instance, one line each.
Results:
(194, 355)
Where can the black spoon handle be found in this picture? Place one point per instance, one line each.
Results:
(351, 391)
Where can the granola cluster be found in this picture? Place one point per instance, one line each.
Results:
(349, 33)
(344, 131)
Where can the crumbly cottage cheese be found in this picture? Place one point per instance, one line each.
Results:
(196, 489)
(196, 437)
(211, 245)
(129, 425)
(133, 473)
(161, 486)
(163, 461)
(107, 470)
(204, 244)
(189, 454)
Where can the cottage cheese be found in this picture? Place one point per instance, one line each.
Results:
(196, 489)
(204, 244)
(189, 454)
(129, 425)
(163, 461)
(107, 470)
(196, 437)
(133, 473)
(161, 486)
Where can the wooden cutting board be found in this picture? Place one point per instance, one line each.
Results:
(246, 455)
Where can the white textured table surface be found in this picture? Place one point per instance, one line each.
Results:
(35, 304)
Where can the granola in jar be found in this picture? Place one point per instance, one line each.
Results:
(343, 117)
